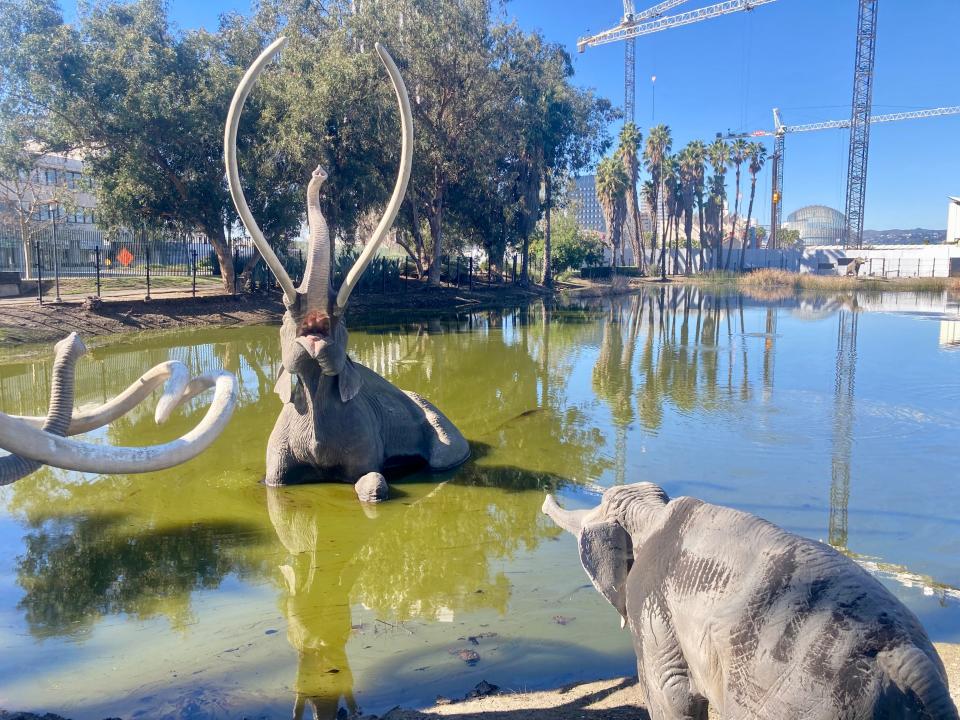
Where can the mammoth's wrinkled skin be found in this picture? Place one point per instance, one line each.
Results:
(730, 611)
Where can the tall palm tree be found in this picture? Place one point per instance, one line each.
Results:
(611, 186)
(757, 155)
(718, 152)
(697, 152)
(648, 191)
(738, 155)
(671, 200)
(688, 171)
(659, 143)
(628, 151)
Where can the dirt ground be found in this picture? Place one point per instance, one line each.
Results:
(24, 322)
(617, 699)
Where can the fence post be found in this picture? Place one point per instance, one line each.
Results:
(883, 268)
(39, 275)
(56, 262)
(488, 270)
(514, 269)
(236, 259)
(918, 267)
(193, 268)
(933, 272)
(97, 256)
(470, 272)
(898, 266)
(147, 251)
(383, 278)
(303, 267)
(458, 271)
(406, 273)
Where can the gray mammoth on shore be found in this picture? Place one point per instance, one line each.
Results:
(33, 442)
(339, 421)
(729, 611)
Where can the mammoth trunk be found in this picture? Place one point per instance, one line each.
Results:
(316, 276)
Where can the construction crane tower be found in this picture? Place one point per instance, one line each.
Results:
(860, 120)
(780, 132)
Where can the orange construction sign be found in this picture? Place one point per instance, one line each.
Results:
(125, 257)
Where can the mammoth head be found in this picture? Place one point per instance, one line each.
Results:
(604, 535)
(317, 346)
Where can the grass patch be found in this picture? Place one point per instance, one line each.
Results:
(765, 282)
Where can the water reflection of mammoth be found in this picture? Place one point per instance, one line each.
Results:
(424, 560)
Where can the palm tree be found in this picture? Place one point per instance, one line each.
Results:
(611, 186)
(671, 200)
(718, 153)
(689, 165)
(628, 150)
(648, 191)
(658, 145)
(697, 153)
(757, 155)
(738, 154)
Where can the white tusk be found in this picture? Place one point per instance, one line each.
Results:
(399, 190)
(20, 438)
(233, 171)
(179, 388)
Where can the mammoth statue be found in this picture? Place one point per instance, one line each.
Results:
(339, 420)
(36, 441)
(731, 612)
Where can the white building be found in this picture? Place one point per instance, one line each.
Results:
(589, 212)
(953, 220)
(56, 189)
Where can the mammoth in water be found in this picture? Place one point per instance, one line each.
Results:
(731, 612)
(36, 441)
(340, 420)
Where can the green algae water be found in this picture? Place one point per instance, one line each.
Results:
(200, 593)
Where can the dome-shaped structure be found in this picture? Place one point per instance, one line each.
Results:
(817, 225)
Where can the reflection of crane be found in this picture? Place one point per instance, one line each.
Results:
(842, 427)
(779, 134)
(652, 20)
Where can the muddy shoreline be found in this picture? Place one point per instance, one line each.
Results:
(26, 324)
(611, 699)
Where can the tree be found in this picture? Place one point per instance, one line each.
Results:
(146, 104)
(573, 247)
(658, 146)
(738, 154)
(691, 168)
(611, 185)
(697, 153)
(628, 151)
(757, 155)
(718, 152)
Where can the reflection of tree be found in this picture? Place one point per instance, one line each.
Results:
(429, 559)
(77, 569)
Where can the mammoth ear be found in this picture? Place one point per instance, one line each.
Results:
(283, 388)
(606, 552)
(349, 381)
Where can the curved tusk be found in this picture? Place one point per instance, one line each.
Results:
(233, 172)
(21, 438)
(569, 520)
(399, 190)
(178, 389)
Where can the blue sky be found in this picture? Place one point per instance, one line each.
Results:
(727, 73)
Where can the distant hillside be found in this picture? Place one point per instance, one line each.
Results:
(917, 236)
